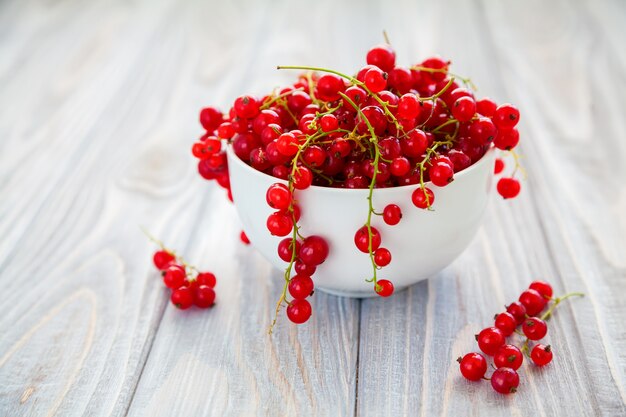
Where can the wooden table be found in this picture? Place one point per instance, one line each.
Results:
(99, 107)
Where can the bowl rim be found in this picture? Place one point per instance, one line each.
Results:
(466, 171)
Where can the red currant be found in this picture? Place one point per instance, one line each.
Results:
(508, 356)
(409, 106)
(505, 380)
(533, 301)
(490, 339)
(329, 122)
(182, 298)
(210, 118)
(473, 366)
(278, 196)
(299, 311)
(302, 178)
(384, 288)
(441, 174)
(542, 288)
(383, 56)
(499, 166)
(329, 86)
(541, 355)
(174, 276)
(285, 249)
(162, 259)
(506, 116)
(207, 279)
(362, 239)
(279, 224)
(392, 214)
(464, 109)
(506, 322)
(204, 296)
(486, 107)
(517, 310)
(244, 238)
(246, 107)
(506, 139)
(382, 257)
(508, 187)
(301, 286)
(375, 80)
(314, 250)
(534, 328)
(423, 197)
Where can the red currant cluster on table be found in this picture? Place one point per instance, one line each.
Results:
(508, 358)
(189, 286)
(387, 126)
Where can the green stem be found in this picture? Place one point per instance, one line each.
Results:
(558, 301)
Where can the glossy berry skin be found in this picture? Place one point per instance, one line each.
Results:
(375, 80)
(174, 276)
(506, 323)
(304, 269)
(506, 116)
(329, 86)
(285, 249)
(409, 107)
(329, 122)
(299, 311)
(314, 250)
(384, 288)
(441, 174)
(246, 107)
(301, 286)
(508, 356)
(279, 224)
(362, 239)
(423, 198)
(278, 196)
(302, 178)
(508, 187)
(162, 259)
(541, 355)
(207, 279)
(464, 109)
(382, 257)
(204, 296)
(506, 139)
(534, 328)
(505, 380)
(486, 107)
(473, 366)
(244, 238)
(533, 301)
(489, 340)
(542, 288)
(210, 118)
(392, 214)
(382, 56)
(182, 298)
(517, 310)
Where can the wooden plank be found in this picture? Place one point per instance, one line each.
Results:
(551, 231)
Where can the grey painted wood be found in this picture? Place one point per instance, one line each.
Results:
(99, 103)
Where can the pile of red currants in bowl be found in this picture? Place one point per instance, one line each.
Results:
(387, 126)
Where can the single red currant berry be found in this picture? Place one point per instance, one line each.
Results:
(278, 196)
(534, 328)
(362, 239)
(392, 214)
(174, 276)
(473, 366)
(210, 118)
(244, 238)
(207, 279)
(304, 269)
(301, 286)
(400, 166)
(226, 130)
(506, 116)
(506, 139)
(508, 356)
(357, 95)
(329, 86)
(490, 339)
(182, 297)
(505, 380)
(409, 107)
(542, 288)
(285, 249)
(314, 250)
(382, 257)
(384, 288)
(329, 122)
(299, 311)
(315, 156)
(499, 167)
(287, 144)
(383, 56)
(517, 310)
(415, 144)
(533, 301)
(464, 109)
(376, 118)
(162, 259)
(302, 178)
(279, 224)
(423, 197)
(482, 131)
(439, 65)
(486, 107)
(441, 174)
(247, 107)
(541, 355)
(506, 322)
(375, 80)
(508, 187)
(204, 296)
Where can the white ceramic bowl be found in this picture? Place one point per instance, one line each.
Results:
(423, 243)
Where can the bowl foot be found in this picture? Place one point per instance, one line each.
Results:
(354, 294)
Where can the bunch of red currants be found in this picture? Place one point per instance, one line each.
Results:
(508, 358)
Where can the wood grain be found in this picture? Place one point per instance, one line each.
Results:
(99, 103)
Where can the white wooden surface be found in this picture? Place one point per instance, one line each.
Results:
(98, 107)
